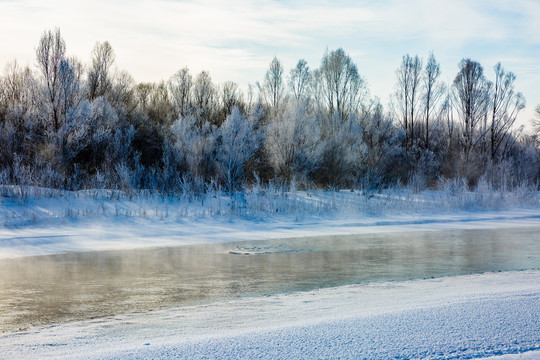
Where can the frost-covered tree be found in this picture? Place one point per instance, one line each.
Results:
(22, 116)
(71, 86)
(103, 122)
(384, 155)
(238, 142)
(293, 143)
(63, 95)
(73, 135)
(343, 154)
(195, 147)
(61, 127)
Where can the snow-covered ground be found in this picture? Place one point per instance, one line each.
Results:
(493, 315)
(465, 317)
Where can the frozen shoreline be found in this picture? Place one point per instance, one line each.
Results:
(127, 233)
(493, 315)
(52, 222)
(473, 316)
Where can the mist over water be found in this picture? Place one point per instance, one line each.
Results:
(44, 290)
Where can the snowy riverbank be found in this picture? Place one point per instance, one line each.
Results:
(466, 317)
(492, 315)
(68, 222)
(125, 233)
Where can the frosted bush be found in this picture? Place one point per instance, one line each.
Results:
(417, 182)
(485, 196)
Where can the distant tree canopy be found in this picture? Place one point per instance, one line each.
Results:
(70, 125)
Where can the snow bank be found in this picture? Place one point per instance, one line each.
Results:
(493, 316)
(465, 317)
(132, 232)
(103, 220)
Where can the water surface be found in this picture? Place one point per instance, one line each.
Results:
(44, 290)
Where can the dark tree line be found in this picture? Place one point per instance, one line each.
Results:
(70, 125)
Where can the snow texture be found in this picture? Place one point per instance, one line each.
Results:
(494, 315)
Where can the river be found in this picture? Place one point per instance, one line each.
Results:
(45, 290)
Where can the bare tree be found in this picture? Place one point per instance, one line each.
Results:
(230, 96)
(272, 88)
(406, 97)
(341, 85)
(203, 96)
(160, 109)
(143, 92)
(300, 80)
(252, 99)
(470, 96)
(12, 83)
(433, 92)
(447, 116)
(505, 107)
(153, 100)
(122, 95)
(18, 92)
(99, 77)
(50, 54)
(317, 94)
(180, 85)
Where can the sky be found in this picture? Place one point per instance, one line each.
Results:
(236, 39)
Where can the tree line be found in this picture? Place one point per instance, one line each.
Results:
(69, 125)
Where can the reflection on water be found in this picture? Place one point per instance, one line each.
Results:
(50, 289)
